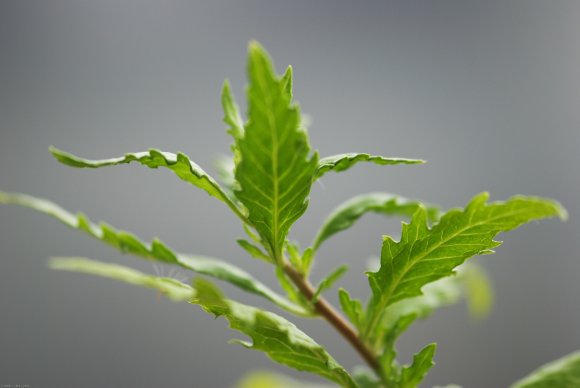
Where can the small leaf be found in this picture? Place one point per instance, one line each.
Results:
(157, 250)
(342, 162)
(424, 255)
(232, 115)
(329, 281)
(564, 373)
(253, 250)
(179, 164)
(344, 216)
(352, 308)
(281, 340)
(171, 288)
(275, 167)
(413, 374)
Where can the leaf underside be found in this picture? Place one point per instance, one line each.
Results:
(343, 162)
(345, 215)
(180, 164)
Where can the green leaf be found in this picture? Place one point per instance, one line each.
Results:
(424, 255)
(253, 250)
(344, 216)
(232, 116)
(170, 287)
(413, 374)
(342, 162)
(564, 373)
(281, 340)
(329, 281)
(157, 250)
(352, 308)
(278, 338)
(275, 169)
(179, 164)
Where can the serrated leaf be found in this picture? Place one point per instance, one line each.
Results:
(275, 167)
(171, 288)
(424, 255)
(344, 216)
(232, 116)
(180, 164)
(413, 374)
(562, 373)
(157, 250)
(352, 308)
(281, 340)
(253, 250)
(343, 162)
(329, 281)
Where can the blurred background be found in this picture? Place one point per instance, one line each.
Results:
(487, 92)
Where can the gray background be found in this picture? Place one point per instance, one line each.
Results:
(487, 92)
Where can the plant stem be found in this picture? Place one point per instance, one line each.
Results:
(324, 308)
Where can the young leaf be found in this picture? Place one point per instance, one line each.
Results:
(279, 339)
(179, 164)
(352, 308)
(157, 250)
(344, 216)
(253, 250)
(342, 162)
(413, 374)
(275, 167)
(424, 255)
(232, 115)
(564, 372)
(329, 281)
(170, 287)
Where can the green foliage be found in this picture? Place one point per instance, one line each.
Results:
(424, 255)
(279, 339)
(344, 216)
(266, 182)
(156, 250)
(564, 372)
(275, 167)
(343, 162)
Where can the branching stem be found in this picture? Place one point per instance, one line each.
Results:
(325, 309)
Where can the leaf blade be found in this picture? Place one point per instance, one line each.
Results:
(329, 281)
(156, 250)
(171, 288)
(275, 165)
(281, 340)
(343, 162)
(564, 372)
(345, 215)
(424, 255)
(180, 164)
